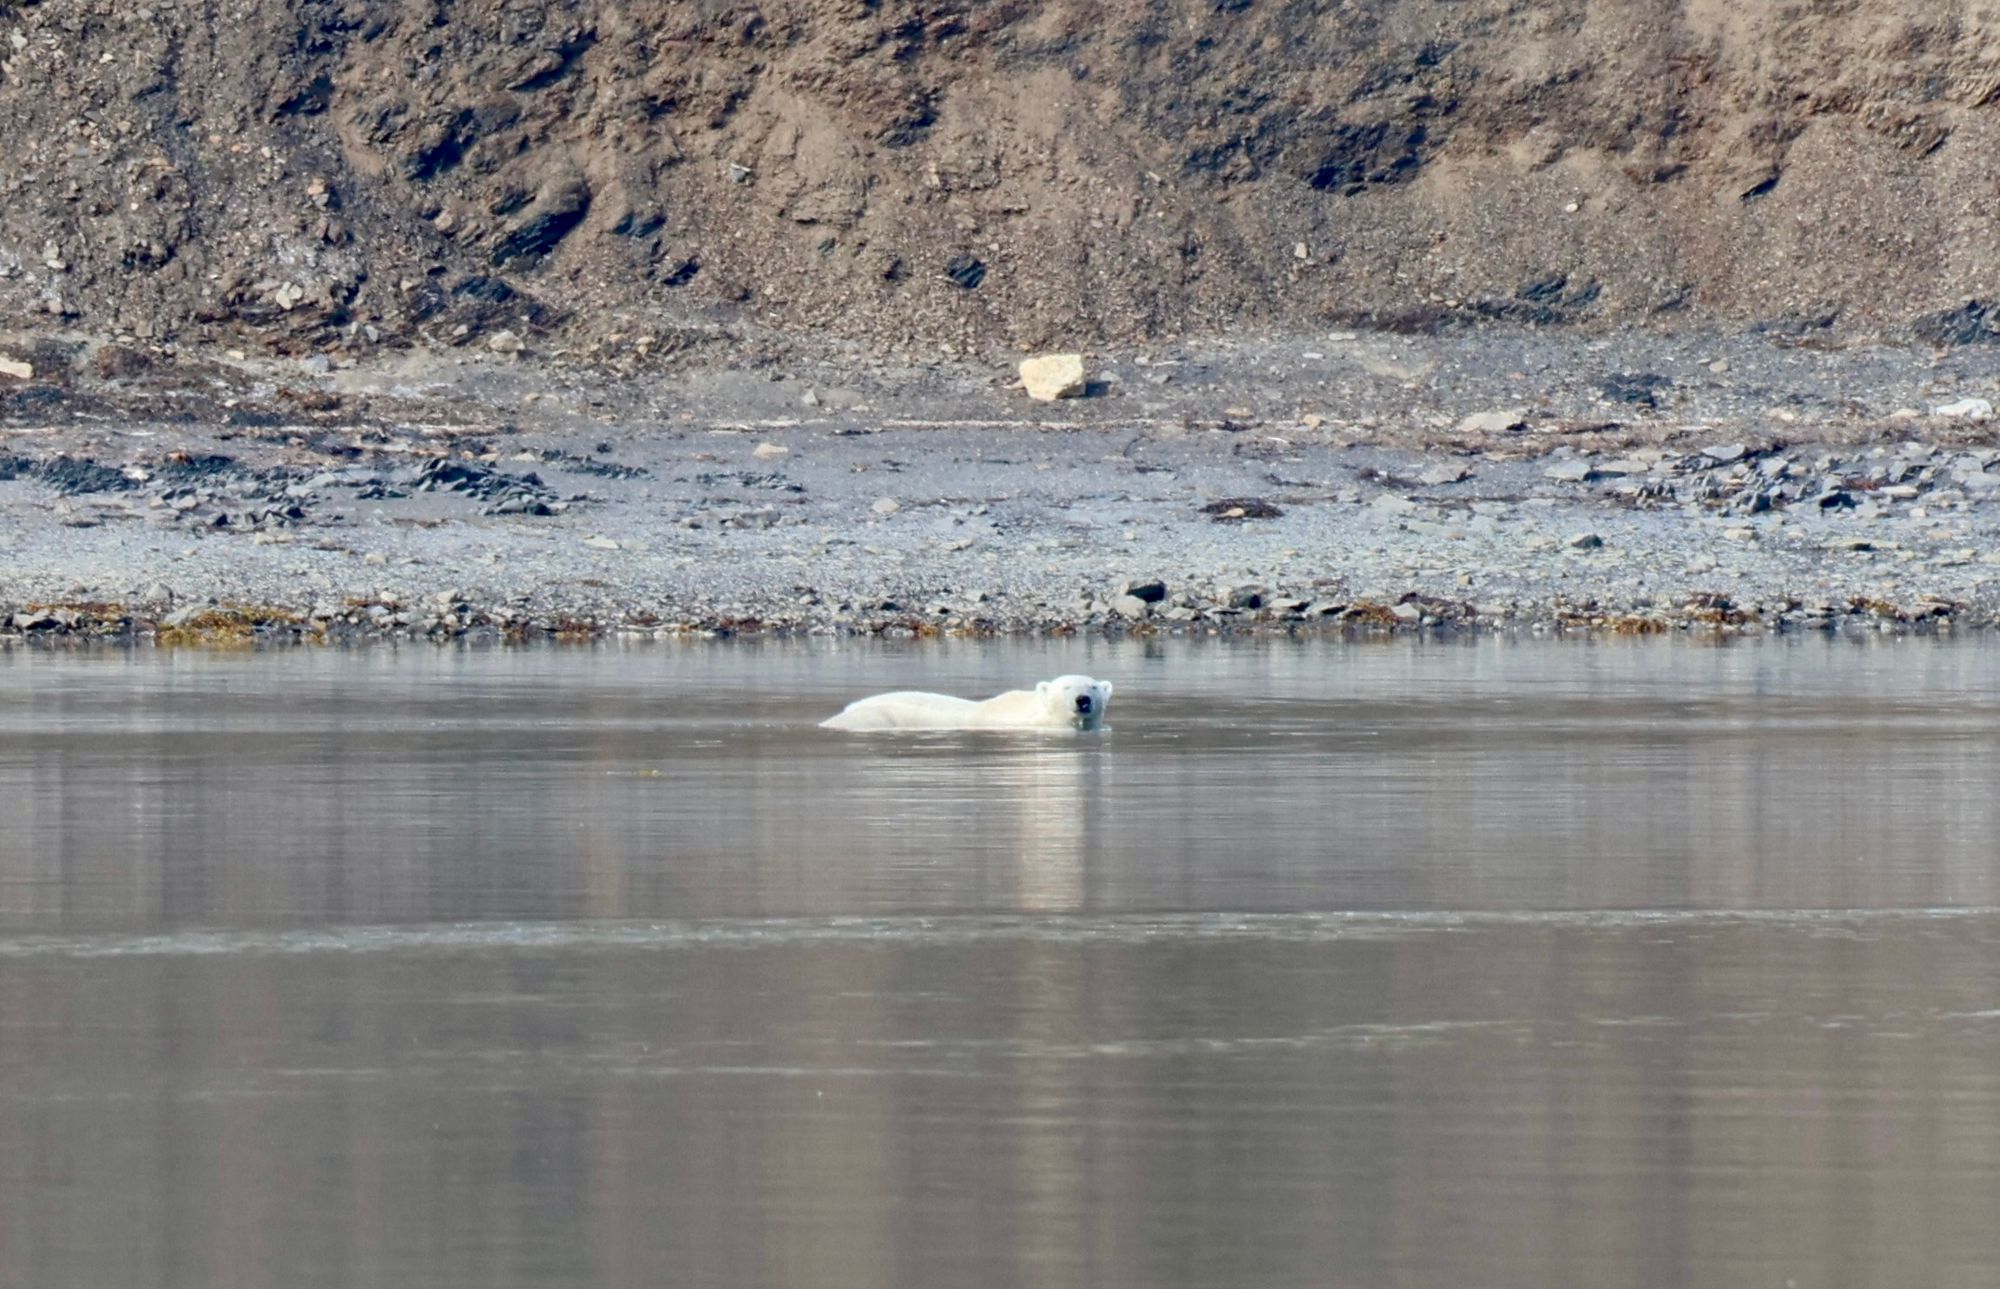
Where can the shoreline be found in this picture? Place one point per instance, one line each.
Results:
(1345, 484)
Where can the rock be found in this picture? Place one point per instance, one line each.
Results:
(1965, 409)
(1391, 504)
(1495, 422)
(16, 369)
(1131, 606)
(1407, 613)
(505, 343)
(601, 543)
(769, 451)
(1231, 510)
(1048, 377)
(1724, 453)
(1574, 470)
(1441, 474)
(886, 506)
(559, 206)
(1152, 592)
(1640, 389)
(118, 362)
(965, 271)
(1584, 542)
(1973, 323)
(1246, 597)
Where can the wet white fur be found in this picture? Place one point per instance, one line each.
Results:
(1049, 705)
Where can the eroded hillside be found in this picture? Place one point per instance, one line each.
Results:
(604, 174)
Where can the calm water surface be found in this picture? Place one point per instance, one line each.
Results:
(1491, 965)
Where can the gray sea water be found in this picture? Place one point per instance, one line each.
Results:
(1496, 964)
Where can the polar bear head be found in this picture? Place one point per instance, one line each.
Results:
(1075, 700)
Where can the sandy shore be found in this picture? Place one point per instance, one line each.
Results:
(1344, 482)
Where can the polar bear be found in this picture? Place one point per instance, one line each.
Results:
(1067, 702)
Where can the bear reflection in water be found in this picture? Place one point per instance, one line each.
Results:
(1067, 702)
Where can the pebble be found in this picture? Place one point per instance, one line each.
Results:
(1131, 606)
(1151, 591)
(770, 451)
(1583, 542)
(886, 506)
(1724, 453)
(1574, 470)
(1965, 409)
(1494, 422)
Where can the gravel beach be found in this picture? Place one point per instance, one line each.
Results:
(1341, 482)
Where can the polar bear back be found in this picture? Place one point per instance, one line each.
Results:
(906, 710)
(1066, 702)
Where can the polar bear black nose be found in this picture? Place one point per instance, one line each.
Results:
(1083, 703)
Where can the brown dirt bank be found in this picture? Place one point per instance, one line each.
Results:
(634, 178)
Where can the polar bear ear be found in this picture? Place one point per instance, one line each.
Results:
(1042, 689)
(1105, 685)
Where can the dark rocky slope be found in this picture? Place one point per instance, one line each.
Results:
(631, 176)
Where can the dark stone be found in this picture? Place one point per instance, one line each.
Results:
(1976, 322)
(479, 287)
(635, 224)
(1762, 188)
(1358, 156)
(965, 271)
(1234, 510)
(552, 217)
(310, 101)
(72, 476)
(1151, 592)
(1640, 389)
(1543, 290)
(121, 362)
(440, 148)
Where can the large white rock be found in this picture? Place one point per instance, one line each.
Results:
(1049, 377)
(1965, 409)
(18, 370)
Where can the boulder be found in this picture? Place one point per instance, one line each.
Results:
(1049, 377)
